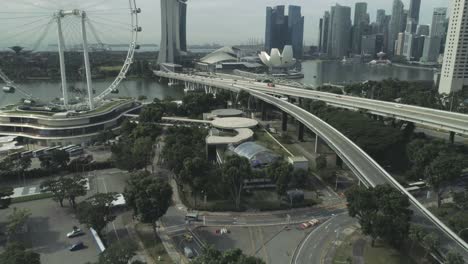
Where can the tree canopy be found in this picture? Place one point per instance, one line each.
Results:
(95, 211)
(234, 171)
(383, 212)
(17, 254)
(149, 197)
(233, 256)
(119, 252)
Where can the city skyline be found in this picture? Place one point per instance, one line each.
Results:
(202, 28)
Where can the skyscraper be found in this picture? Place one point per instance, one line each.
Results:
(413, 12)
(360, 22)
(380, 20)
(320, 35)
(173, 30)
(296, 30)
(395, 25)
(276, 32)
(284, 30)
(439, 17)
(454, 73)
(423, 30)
(324, 33)
(433, 42)
(339, 31)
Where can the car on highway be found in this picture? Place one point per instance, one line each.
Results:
(77, 246)
(398, 106)
(188, 252)
(75, 232)
(308, 224)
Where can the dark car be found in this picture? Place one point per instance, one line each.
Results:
(77, 246)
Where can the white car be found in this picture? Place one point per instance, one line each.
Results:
(398, 106)
(75, 232)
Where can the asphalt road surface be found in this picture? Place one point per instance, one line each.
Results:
(322, 239)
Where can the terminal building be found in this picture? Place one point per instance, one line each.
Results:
(48, 128)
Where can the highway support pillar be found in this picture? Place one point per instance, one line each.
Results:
(316, 143)
(284, 121)
(300, 101)
(300, 132)
(452, 137)
(264, 112)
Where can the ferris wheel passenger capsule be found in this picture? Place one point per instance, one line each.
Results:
(137, 11)
(138, 29)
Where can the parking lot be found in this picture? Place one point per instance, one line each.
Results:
(49, 223)
(46, 233)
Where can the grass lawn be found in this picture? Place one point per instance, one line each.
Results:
(153, 245)
(262, 138)
(379, 254)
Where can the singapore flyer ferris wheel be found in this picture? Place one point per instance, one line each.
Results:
(69, 40)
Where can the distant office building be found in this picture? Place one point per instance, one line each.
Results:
(395, 25)
(433, 43)
(284, 30)
(173, 30)
(361, 21)
(296, 30)
(400, 42)
(413, 12)
(324, 32)
(386, 33)
(320, 34)
(417, 47)
(454, 73)
(339, 37)
(431, 49)
(439, 22)
(423, 30)
(380, 20)
(276, 32)
(368, 45)
(403, 20)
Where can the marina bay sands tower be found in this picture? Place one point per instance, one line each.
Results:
(173, 30)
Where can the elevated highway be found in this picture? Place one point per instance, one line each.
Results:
(363, 166)
(438, 119)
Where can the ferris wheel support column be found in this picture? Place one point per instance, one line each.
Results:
(86, 61)
(62, 59)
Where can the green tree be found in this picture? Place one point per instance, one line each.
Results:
(383, 212)
(131, 155)
(57, 159)
(16, 221)
(5, 193)
(441, 171)
(148, 196)
(416, 234)
(430, 242)
(299, 178)
(120, 252)
(73, 187)
(17, 254)
(454, 258)
(96, 212)
(235, 170)
(151, 113)
(55, 187)
(233, 256)
(281, 174)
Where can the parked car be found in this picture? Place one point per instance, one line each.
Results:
(188, 252)
(309, 223)
(75, 232)
(77, 246)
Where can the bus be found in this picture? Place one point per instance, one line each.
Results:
(75, 151)
(67, 147)
(27, 154)
(51, 149)
(39, 153)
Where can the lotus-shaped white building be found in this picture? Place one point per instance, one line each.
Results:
(278, 60)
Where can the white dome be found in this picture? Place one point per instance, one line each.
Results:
(276, 59)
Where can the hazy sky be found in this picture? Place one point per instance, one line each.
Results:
(209, 21)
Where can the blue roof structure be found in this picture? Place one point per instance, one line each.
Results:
(257, 154)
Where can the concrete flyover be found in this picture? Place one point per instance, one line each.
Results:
(438, 119)
(365, 168)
